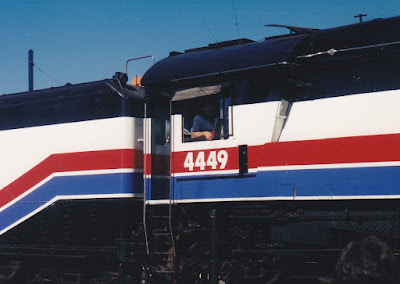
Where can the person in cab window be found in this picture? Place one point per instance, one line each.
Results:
(203, 123)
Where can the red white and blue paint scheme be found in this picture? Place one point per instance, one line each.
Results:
(303, 118)
(303, 151)
(57, 146)
(313, 159)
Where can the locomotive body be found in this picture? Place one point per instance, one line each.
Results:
(298, 122)
(112, 182)
(303, 153)
(72, 173)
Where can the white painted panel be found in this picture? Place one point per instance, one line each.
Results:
(176, 130)
(253, 124)
(22, 149)
(353, 115)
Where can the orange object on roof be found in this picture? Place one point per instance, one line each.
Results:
(136, 81)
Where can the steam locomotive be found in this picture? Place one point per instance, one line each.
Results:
(106, 182)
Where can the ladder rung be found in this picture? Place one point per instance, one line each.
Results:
(161, 234)
(165, 271)
(158, 227)
(162, 253)
(161, 230)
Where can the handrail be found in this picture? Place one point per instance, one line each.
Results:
(136, 58)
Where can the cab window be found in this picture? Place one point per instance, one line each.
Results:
(205, 118)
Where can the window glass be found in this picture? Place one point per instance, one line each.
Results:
(159, 111)
(205, 118)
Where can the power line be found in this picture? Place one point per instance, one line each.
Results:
(234, 11)
(210, 32)
(46, 74)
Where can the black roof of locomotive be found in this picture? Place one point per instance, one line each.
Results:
(365, 34)
(69, 91)
(209, 62)
(213, 60)
(70, 103)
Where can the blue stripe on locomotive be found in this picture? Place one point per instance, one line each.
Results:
(116, 183)
(347, 182)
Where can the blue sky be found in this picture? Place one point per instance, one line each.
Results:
(77, 41)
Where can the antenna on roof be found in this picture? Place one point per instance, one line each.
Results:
(360, 16)
(30, 69)
(295, 30)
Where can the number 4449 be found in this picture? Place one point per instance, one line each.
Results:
(214, 160)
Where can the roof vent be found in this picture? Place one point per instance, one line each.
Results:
(121, 77)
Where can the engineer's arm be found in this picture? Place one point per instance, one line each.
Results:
(207, 134)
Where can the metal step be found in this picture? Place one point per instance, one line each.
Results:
(162, 234)
(164, 271)
(162, 253)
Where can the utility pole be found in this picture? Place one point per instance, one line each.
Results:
(30, 69)
(360, 16)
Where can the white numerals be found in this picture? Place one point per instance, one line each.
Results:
(200, 163)
(189, 161)
(213, 160)
(222, 158)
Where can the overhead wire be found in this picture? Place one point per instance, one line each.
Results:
(237, 24)
(210, 32)
(46, 74)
